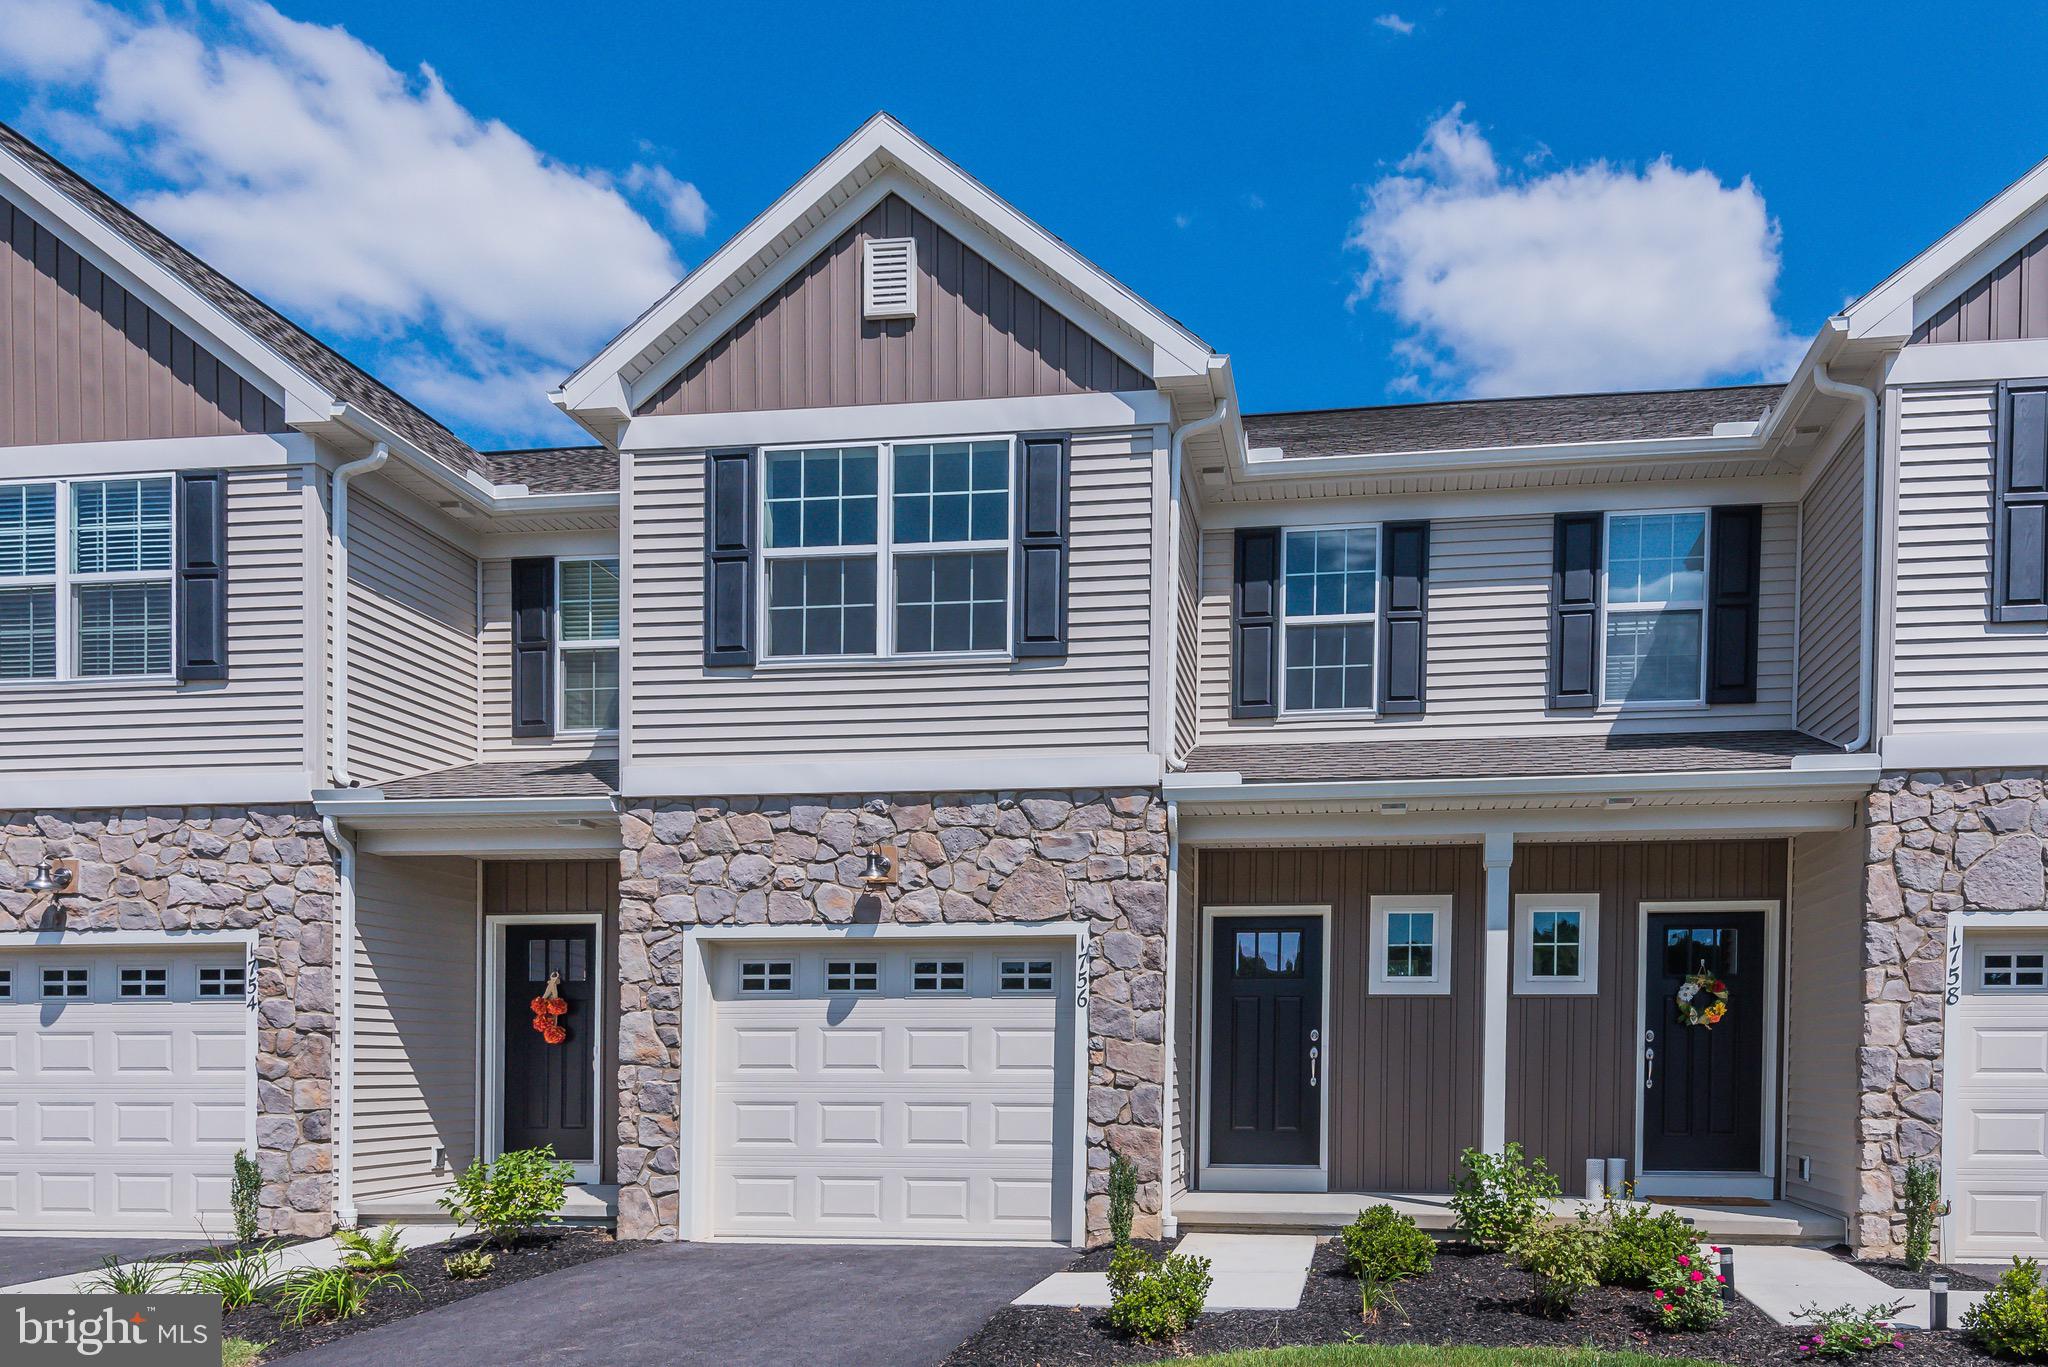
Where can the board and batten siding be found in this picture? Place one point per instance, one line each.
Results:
(978, 334)
(255, 720)
(82, 359)
(498, 741)
(1574, 1061)
(1830, 632)
(1094, 701)
(1824, 1019)
(2008, 303)
(1489, 642)
(1953, 669)
(416, 1001)
(412, 647)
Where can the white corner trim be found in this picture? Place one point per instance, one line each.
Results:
(1586, 982)
(924, 773)
(1438, 907)
(896, 421)
(189, 787)
(1964, 749)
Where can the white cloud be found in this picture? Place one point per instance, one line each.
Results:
(367, 203)
(1588, 277)
(1394, 23)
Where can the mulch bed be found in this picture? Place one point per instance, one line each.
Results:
(1894, 1272)
(1469, 1297)
(534, 1256)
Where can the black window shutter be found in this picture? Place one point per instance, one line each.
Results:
(533, 639)
(1404, 616)
(729, 557)
(2019, 507)
(202, 575)
(1255, 624)
(1734, 560)
(1575, 611)
(1043, 468)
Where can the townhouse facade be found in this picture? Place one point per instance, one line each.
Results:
(935, 741)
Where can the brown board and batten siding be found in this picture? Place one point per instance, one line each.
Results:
(978, 334)
(2006, 304)
(573, 887)
(1572, 1060)
(82, 359)
(1404, 1071)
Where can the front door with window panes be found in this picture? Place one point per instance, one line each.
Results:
(1266, 1023)
(86, 578)
(1656, 586)
(549, 1088)
(1703, 1086)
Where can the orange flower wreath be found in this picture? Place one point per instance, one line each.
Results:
(548, 1010)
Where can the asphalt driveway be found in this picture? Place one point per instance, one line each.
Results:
(735, 1305)
(32, 1257)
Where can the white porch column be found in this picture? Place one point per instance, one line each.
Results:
(1493, 1048)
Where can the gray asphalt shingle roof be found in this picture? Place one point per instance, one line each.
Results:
(1505, 756)
(556, 469)
(512, 778)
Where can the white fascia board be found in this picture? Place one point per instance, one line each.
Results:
(882, 138)
(522, 840)
(368, 807)
(1917, 289)
(473, 489)
(928, 773)
(1965, 750)
(303, 399)
(1969, 362)
(880, 422)
(1321, 510)
(197, 786)
(1338, 827)
(1266, 462)
(1837, 780)
(91, 458)
(517, 545)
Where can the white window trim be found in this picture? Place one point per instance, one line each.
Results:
(768, 975)
(1026, 970)
(1651, 609)
(1438, 983)
(65, 583)
(942, 965)
(856, 969)
(1586, 982)
(1334, 620)
(885, 552)
(2011, 952)
(564, 647)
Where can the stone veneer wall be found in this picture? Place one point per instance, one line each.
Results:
(1034, 856)
(266, 869)
(1938, 843)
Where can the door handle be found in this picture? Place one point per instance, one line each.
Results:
(1649, 1068)
(1314, 1052)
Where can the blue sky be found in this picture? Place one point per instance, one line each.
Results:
(1361, 204)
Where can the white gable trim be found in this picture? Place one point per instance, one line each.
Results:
(1927, 283)
(881, 156)
(303, 400)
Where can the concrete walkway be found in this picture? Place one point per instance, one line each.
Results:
(1781, 1282)
(317, 1253)
(1248, 1271)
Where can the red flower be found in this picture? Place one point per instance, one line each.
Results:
(1684, 1261)
(1720, 986)
(1697, 1276)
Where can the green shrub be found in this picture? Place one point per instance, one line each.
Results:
(1563, 1258)
(2012, 1319)
(1848, 1330)
(503, 1200)
(1123, 1198)
(1499, 1196)
(244, 1190)
(1688, 1293)
(1384, 1246)
(468, 1265)
(1923, 1208)
(379, 1252)
(239, 1276)
(1154, 1301)
(1639, 1241)
(115, 1278)
(330, 1293)
(241, 1352)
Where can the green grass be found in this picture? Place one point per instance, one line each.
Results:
(236, 1352)
(1373, 1355)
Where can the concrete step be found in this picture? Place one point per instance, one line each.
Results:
(1779, 1222)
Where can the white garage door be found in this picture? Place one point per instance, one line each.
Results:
(123, 1088)
(1997, 1130)
(906, 1092)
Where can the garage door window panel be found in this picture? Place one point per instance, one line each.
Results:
(145, 983)
(938, 975)
(222, 981)
(767, 977)
(1027, 975)
(853, 975)
(6, 984)
(2017, 971)
(61, 984)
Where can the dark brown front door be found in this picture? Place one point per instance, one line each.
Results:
(548, 1088)
(1266, 1019)
(1703, 1087)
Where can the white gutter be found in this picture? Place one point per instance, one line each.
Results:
(1867, 580)
(337, 762)
(1831, 773)
(473, 489)
(345, 1046)
(1174, 461)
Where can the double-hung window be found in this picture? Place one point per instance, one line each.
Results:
(854, 574)
(1654, 630)
(86, 579)
(1329, 597)
(587, 606)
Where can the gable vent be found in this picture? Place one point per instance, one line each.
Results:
(888, 278)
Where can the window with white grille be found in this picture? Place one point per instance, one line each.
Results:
(1027, 975)
(2015, 970)
(888, 278)
(6, 983)
(767, 975)
(225, 980)
(65, 982)
(144, 982)
(939, 975)
(852, 975)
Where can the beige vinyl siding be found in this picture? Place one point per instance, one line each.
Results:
(1094, 701)
(1187, 625)
(1489, 641)
(1824, 1017)
(256, 720)
(412, 647)
(1952, 668)
(498, 741)
(1830, 634)
(416, 1004)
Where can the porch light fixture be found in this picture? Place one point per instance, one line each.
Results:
(881, 867)
(54, 875)
(1937, 1300)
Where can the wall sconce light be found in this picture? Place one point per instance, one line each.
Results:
(54, 875)
(881, 870)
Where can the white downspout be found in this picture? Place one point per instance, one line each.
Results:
(345, 1029)
(1173, 469)
(1865, 691)
(338, 647)
(1168, 1226)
